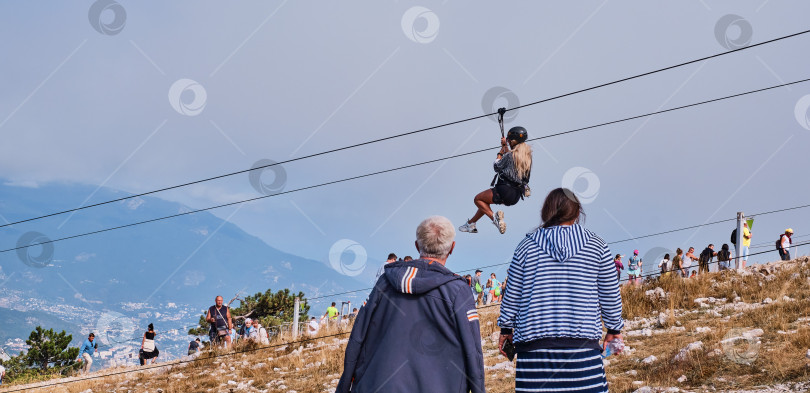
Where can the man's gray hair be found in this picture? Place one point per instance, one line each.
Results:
(435, 236)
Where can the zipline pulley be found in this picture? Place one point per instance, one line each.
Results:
(501, 112)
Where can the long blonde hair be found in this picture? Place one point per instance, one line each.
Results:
(522, 155)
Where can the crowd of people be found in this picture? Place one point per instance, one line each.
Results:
(227, 331)
(681, 264)
(678, 265)
(223, 331)
(487, 293)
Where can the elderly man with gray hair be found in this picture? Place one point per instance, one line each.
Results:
(419, 330)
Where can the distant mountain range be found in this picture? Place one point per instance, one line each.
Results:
(19, 324)
(184, 260)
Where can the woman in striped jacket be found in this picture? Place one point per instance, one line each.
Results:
(562, 288)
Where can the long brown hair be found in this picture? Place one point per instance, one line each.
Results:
(561, 205)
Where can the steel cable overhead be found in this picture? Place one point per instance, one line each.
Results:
(414, 131)
(615, 242)
(712, 223)
(415, 165)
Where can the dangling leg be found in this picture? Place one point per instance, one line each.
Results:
(482, 201)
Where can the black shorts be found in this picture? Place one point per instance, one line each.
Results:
(504, 194)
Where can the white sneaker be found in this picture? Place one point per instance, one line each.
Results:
(498, 221)
(468, 227)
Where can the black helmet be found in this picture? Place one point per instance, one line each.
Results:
(518, 134)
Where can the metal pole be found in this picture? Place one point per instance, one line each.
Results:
(295, 318)
(738, 246)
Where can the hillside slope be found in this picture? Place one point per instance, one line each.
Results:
(743, 331)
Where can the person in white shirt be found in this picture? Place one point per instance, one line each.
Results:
(784, 245)
(259, 333)
(688, 258)
(2, 374)
(665, 265)
(313, 327)
(391, 258)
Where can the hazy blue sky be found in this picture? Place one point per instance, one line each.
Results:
(287, 79)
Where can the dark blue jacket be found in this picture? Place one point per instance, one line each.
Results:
(418, 332)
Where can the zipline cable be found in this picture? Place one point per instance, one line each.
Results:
(773, 243)
(414, 131)
(672, 230)
(712, 223)
(413, 165)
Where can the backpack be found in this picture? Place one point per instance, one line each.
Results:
(734, 237)
(779, 243)
(705, 256)
(498, 290)
(478, 288)
(148, 345)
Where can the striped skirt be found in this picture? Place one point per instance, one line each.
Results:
(561, 370)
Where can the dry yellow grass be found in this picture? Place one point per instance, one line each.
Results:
(779, 357)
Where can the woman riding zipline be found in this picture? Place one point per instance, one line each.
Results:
(513, 167)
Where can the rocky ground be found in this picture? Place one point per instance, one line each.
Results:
(722, 332)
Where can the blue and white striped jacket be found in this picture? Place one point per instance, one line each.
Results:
(561, 284)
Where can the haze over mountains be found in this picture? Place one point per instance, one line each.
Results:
(164, 267)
